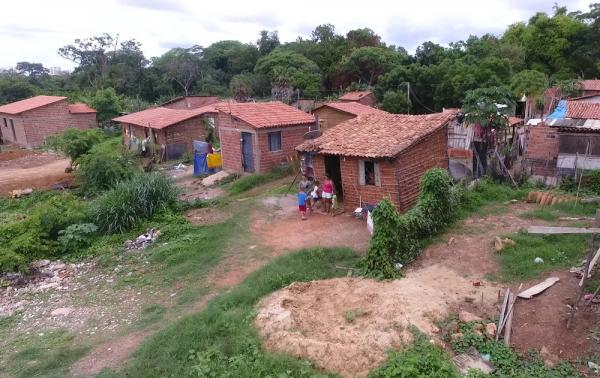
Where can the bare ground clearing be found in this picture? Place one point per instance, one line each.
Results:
(20, 169)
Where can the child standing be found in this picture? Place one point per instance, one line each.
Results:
(302, 203)
(327, 193)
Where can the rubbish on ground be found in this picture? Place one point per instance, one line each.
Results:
(471, 360)
(179, 166)
(500, 244)
(575, 218)
(535, 290)
(17, 193)
(594, 366)
(538, 260)
(214, 178)
(143, 240)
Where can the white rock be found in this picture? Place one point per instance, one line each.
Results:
(63, 311)
(214, 179)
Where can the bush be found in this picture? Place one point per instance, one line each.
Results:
(74, 142)
(103, 167)
(398, 239)
(76, 237)
(131, 201)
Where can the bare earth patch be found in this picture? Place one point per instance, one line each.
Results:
(206, 216)
(31, 170)
(346, 325)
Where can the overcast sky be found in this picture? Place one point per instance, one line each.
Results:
(35, 29)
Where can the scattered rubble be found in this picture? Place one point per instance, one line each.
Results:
(143, 240)
(500, 244)
(17, 193)
(215, 178)
(466, 317)
(471, 360)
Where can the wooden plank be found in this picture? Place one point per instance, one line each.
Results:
(508, 326)
(535, 290)
(594, 261)
(502, 312)
(562, 230)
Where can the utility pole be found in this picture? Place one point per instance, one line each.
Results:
(408, 97)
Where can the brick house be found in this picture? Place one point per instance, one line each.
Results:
(173, 130)
(190, 102)
(256, 137)
(559, 146)
(362, 97)
(590, 87)
(375, 156)
(28, 122)
(333, 113)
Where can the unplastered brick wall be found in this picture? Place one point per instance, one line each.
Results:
(542, 150)
(186, 132)
(83, 121)
(290, 138)
(7, 134)
(412, 163)
(354, 193)
(230, 130)
(329, 117)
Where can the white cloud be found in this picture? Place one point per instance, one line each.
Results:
(35, 30)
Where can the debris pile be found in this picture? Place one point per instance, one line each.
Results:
(143, 240)
(17, 193)
(43, 275)
(500, 244)
(215, 179)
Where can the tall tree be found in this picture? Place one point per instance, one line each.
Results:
(181, 66)
(267, 42)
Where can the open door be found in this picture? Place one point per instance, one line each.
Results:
(332, 168)
(247, 153)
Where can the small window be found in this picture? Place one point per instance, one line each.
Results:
(368, 173)
(275, 141)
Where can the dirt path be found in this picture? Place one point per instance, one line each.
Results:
(32, 170)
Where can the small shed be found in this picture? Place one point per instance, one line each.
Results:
(362, 97)
(255, 137)
(375, 156)
(28, 122)
(590, 87)
(173, 130)
(332, 113)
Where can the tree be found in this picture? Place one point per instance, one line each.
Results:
(34, 71)
(14, 89)
(396, 102)
(366, 64)
(181, 66)
(363, 38)
(240, 87)
(107, 103)
(267, 42)
(285, 68)
(529, 83)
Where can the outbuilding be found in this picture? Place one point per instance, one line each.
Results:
(256, 137)
(376, 156)
(190, 102)
(362, 97)
(28, 122)
(332, 113)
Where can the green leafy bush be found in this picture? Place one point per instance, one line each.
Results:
(75, 143)
(592, 181)
(398, 239)
(104, 166)
(131, 201)
(76, 237)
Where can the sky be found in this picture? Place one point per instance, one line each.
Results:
(36, 29)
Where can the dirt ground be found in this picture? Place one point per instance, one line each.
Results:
(206, 216)
(191, 186)
(307, 320)
(20, 169)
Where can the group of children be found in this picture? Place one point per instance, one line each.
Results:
(310, 195)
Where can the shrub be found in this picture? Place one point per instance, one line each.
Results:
(103, 167)
(131, 201)
(74, 142)
(398, 239)
(76, 237)
(592, 181)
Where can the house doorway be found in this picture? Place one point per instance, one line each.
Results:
(247, 153)
(332, 168)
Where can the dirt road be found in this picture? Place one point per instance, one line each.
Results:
(31, 170)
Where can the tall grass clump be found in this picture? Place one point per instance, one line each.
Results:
(246, 183)
(131, 201)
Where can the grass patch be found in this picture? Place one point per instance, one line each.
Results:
(487, 192)
(543, 213)
(48, 355)
(248, 182)
(557, 251)
(150, 314)
(552, 213)
(221, 341)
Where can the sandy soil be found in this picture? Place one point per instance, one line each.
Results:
(192, 186)
(20, 169)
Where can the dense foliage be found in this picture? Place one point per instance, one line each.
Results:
(132, 201)
(75, 143)
(114, 75)
(398, 238)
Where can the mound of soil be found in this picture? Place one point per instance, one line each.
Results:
(346, 325)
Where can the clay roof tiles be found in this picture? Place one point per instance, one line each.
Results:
(583, 110)
(29, 104)
(590, 85)
(355, 96)
(157, 118)
(376, 135)
(80, 108)
(267, 114)
(354, 108)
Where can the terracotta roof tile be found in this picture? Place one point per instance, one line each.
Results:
(355, 96)
(353, 108)
(267, 114)
(190, 102)
(376, 135)
(512, 120)
(583, 110)
(590, 85)
(29, 104)
(157, 118)
(80, 107)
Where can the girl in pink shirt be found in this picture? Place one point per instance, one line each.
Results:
(327, 193)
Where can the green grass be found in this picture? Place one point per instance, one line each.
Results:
(488, 193)
(552, 213)
(150, 314)
(248, 182)
(557, 251)
(221, 341)
(47, 354)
